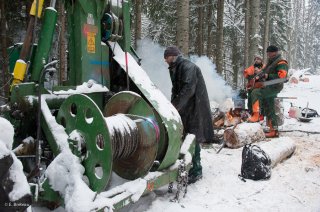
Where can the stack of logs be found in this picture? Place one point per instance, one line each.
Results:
(237, 133)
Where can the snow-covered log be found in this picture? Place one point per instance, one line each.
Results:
(242, 134)
(15, 194)
(278, 149)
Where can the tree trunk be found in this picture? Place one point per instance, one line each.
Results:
(137, 29)
(247, 33)
(3, 37)
(235, 38)
(254, 29)
(307, 36)
(266, 30)
(219, 37)
(62, 44)
(235, 58)
(290, 43)
(209, 33)
(297, 8)
(182, 38)
(304, 43)
(199, 43)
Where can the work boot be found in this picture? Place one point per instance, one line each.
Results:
(273, 133)
(195, 173)
(256, 115)
(194, 178)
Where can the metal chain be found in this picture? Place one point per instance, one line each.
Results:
(182, 181)
(170, 187)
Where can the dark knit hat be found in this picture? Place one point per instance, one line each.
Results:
(272, 48)
(171, 51)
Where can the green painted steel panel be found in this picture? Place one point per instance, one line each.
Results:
(86, 59)
(126, 41)
(49, 195)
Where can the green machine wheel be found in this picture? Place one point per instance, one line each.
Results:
(88, 138)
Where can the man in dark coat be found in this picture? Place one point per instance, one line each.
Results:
(190, 98)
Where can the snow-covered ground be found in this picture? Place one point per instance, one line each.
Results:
(294, 184)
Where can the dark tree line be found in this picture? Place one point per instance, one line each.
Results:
(228, 32)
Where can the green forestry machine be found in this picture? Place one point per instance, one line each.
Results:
(104, 117)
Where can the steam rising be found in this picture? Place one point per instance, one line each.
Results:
(217, 88)
(153, 63)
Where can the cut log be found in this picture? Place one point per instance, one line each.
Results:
(27, 147)
(278, 149)
(242, 134)
(217, 118)
(279, 110)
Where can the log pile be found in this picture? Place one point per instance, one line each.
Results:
(230, 118)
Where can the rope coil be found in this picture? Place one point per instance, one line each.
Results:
(124, 135)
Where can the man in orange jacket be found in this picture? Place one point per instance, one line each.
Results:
(249, 74)
(276, 68)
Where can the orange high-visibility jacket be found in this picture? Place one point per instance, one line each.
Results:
(249, 72)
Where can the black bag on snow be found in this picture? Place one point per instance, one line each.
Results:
(256, 164)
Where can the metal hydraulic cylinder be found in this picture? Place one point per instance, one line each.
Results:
(45, 41)
(21, 65)
(34, 9)
(19, 72)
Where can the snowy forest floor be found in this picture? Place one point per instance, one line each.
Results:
(294, 184)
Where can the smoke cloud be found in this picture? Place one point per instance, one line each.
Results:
(217, 88)
(153, 63)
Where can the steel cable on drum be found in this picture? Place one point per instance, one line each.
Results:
(124, 135)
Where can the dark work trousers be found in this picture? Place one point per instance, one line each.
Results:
(266, 97)
(196, 169)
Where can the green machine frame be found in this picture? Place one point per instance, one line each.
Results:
(94, 28)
